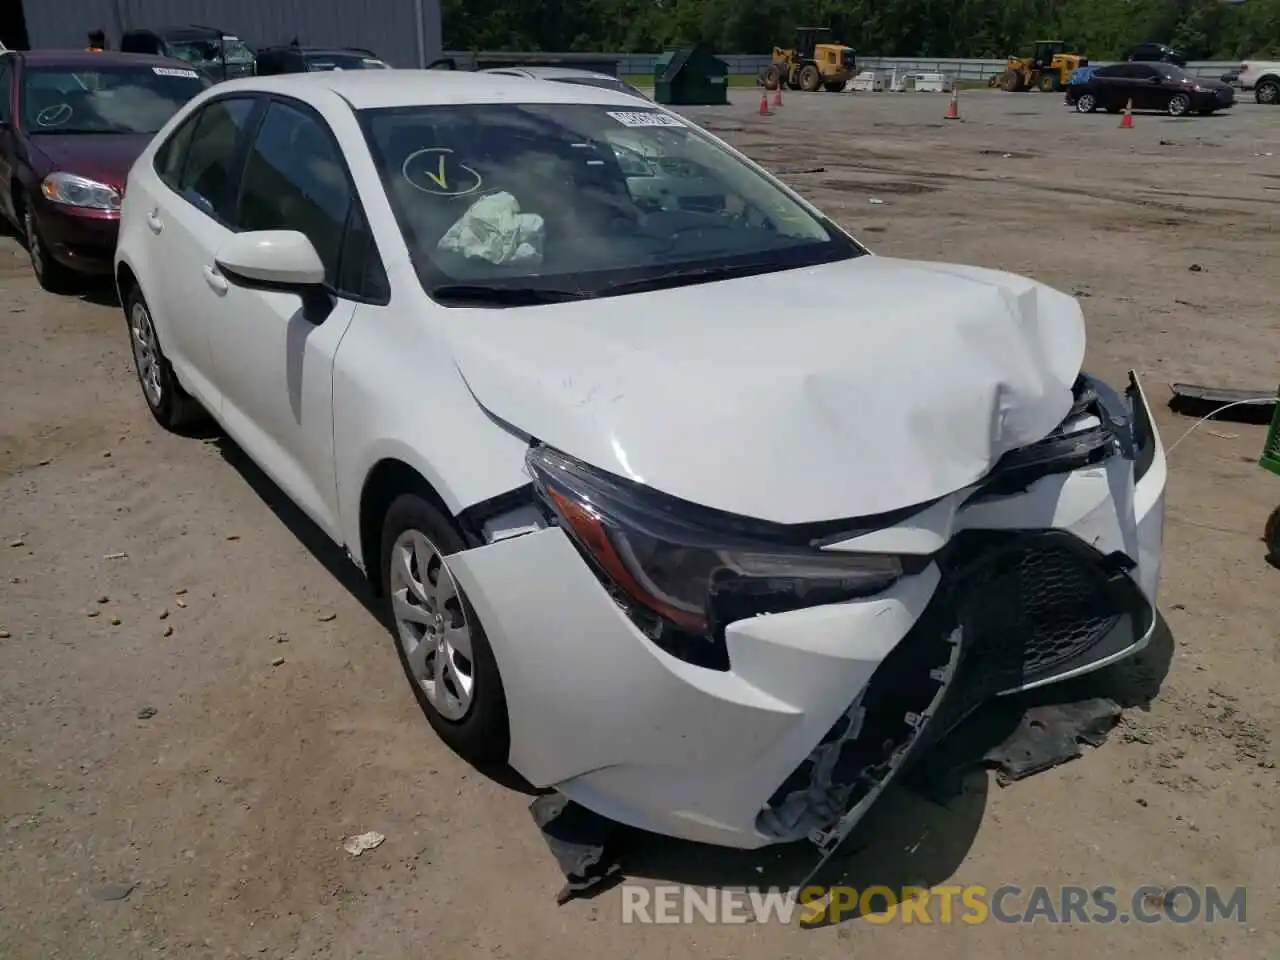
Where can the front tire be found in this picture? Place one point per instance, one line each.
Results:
(810, 78)
(439, 639)
(1268, 92)
(172, 407)
(1086, 103)
(1179, 104)
(50, 274)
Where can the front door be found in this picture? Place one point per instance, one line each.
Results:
(273, 351)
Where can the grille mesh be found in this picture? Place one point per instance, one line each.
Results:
(1028, 608)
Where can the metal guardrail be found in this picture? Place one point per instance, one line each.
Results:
(749, 64)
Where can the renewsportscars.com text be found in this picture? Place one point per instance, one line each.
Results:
(943, 904)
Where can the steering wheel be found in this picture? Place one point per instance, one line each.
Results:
(54, 116)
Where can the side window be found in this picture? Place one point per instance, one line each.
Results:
(295, 179)
(6, 89)
(209, 175)
(173, 152)
(1107, 73)
(1141, 71)
(361, 275)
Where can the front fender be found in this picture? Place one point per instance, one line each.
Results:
(397, 395)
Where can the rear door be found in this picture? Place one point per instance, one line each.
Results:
(199, 167)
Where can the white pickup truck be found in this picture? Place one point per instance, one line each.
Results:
(1263, 78)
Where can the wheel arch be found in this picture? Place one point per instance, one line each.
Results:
(390, 477)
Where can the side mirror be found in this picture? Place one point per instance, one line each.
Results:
(282, 260)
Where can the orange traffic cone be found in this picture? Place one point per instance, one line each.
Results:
(1126, 122)
(764, 104)
(777, 97)
(953, 110)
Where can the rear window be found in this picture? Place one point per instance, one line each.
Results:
(108, 99)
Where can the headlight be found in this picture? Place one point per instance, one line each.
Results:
(684, 572)
(74, 191)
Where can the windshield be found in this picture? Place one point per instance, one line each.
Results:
(204, 51)
(608, 83)
(582, 197)
(344, 61)
(107, 99)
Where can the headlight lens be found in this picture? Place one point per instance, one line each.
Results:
(75, 191)
(683, 572)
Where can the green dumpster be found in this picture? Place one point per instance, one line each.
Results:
(689, 78)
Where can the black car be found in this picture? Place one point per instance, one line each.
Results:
(1148, 86)
(1156, 53)
(218, 55)
(292, 58)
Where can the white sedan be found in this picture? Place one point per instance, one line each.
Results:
(679, 500)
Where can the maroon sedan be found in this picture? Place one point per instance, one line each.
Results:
(71, 125)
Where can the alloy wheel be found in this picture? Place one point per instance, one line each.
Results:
(1268, 93)
(1086, 103)
(1178, 105)
(431, 625)
(146, 354)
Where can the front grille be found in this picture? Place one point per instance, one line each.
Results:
(1030, 607)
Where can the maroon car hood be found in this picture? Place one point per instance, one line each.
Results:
(105, 157)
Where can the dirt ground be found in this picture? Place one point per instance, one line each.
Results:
(152, 742)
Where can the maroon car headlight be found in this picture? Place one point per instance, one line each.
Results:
(71, 190)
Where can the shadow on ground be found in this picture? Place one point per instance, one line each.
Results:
(908, 839)
(331, 556)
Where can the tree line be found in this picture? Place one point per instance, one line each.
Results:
(1100, 29)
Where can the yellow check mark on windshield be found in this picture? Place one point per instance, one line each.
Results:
(439, 178)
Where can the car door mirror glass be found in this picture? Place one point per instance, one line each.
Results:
(280, 259)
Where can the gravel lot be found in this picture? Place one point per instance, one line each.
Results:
(149, 744)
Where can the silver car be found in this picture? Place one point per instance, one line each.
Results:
(587, 78)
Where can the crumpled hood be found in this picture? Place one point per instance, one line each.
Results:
(839, 391)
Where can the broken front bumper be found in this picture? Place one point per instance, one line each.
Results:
(604, 716)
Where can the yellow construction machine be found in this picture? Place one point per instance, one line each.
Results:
(1047, 69)
(814, 63)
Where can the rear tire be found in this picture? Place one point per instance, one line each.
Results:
(1048, 83)
(810, 78)
(1268, 92)
(173, 408)
(773, 77)
(471, 721)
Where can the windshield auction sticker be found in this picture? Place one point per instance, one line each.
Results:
(647, 118)
(172, 72)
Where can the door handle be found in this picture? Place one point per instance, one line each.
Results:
(216, 281)
(154, 221)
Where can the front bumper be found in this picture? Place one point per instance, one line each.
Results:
(604, 716)
(83, 240)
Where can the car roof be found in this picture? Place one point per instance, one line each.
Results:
(374, 89)
(549, 72)
(112, 58)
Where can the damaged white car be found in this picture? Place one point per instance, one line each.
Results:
(679, 500)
